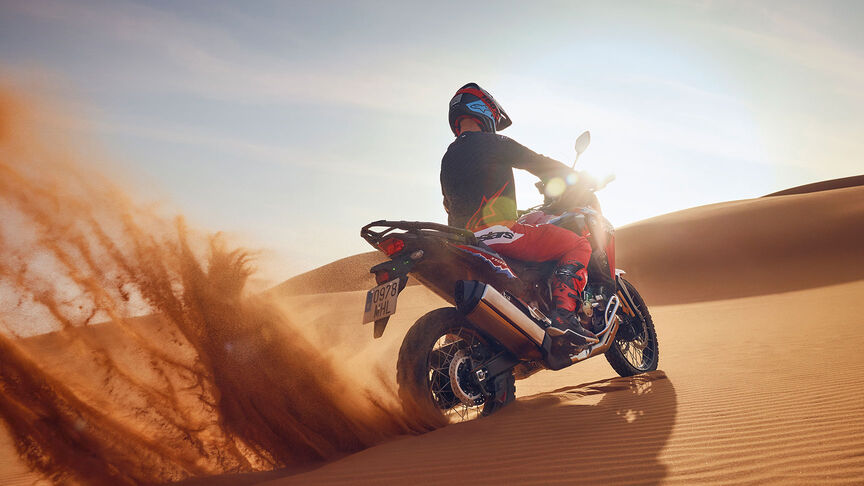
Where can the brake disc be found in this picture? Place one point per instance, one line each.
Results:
(461, 381)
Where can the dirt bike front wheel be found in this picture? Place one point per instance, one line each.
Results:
(433, 370)
(635, 349)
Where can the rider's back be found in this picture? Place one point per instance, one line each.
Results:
(477, 178)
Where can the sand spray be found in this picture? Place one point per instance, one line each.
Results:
(130, 351)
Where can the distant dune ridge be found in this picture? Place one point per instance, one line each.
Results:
(705, 253)
(828, 185)
(343, 275)
(756, 303)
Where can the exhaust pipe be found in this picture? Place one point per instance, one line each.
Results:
(493, 313)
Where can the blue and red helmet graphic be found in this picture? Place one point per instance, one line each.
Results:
(472, 101)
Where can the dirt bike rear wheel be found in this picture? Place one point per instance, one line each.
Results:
(433, 353)
(635, 349)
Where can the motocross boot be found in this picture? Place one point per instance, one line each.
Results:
(567, 285)
(566, 323)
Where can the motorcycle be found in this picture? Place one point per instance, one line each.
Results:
(462, 361)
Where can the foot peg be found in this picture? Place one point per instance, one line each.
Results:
(554, 331)
(574, 337)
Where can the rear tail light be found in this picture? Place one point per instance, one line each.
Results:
(391, 245)
(382, 276)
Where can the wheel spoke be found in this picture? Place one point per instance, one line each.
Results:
(635, 347)
(440, 385)
(638, 351)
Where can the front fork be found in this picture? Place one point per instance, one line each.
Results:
(627, 302)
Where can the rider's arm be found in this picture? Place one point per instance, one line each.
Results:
(546, 168)
(521, 157)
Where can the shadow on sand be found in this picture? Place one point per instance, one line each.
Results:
(548, 437)
(618, 439)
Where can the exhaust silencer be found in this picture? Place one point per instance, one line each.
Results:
(491, 312)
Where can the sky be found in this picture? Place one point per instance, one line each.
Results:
(292, 124)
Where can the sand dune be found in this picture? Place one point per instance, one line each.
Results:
(760, 381)
(749, 247)
(760, 371)
(756, 390)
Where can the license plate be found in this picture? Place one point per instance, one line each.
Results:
(381, 301)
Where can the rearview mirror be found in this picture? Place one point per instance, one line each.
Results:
(581, 144)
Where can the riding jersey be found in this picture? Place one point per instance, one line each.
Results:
(477, 178)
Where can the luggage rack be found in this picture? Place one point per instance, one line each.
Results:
(417, 227)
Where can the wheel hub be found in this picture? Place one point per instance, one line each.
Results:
(465, 389)
(630, 329)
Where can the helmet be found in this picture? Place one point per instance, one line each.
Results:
(472, 101)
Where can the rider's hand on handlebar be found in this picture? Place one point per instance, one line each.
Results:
(561, 194)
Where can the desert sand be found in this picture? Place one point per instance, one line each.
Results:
(757, 310)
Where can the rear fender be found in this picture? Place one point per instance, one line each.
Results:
(398, 267)
(391, 270)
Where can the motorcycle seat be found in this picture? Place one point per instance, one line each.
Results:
(525, 270)
(531, 271)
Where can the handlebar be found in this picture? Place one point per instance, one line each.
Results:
(582, 193)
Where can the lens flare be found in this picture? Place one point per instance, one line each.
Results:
(555, 187)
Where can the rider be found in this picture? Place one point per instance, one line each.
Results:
(479, 194)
